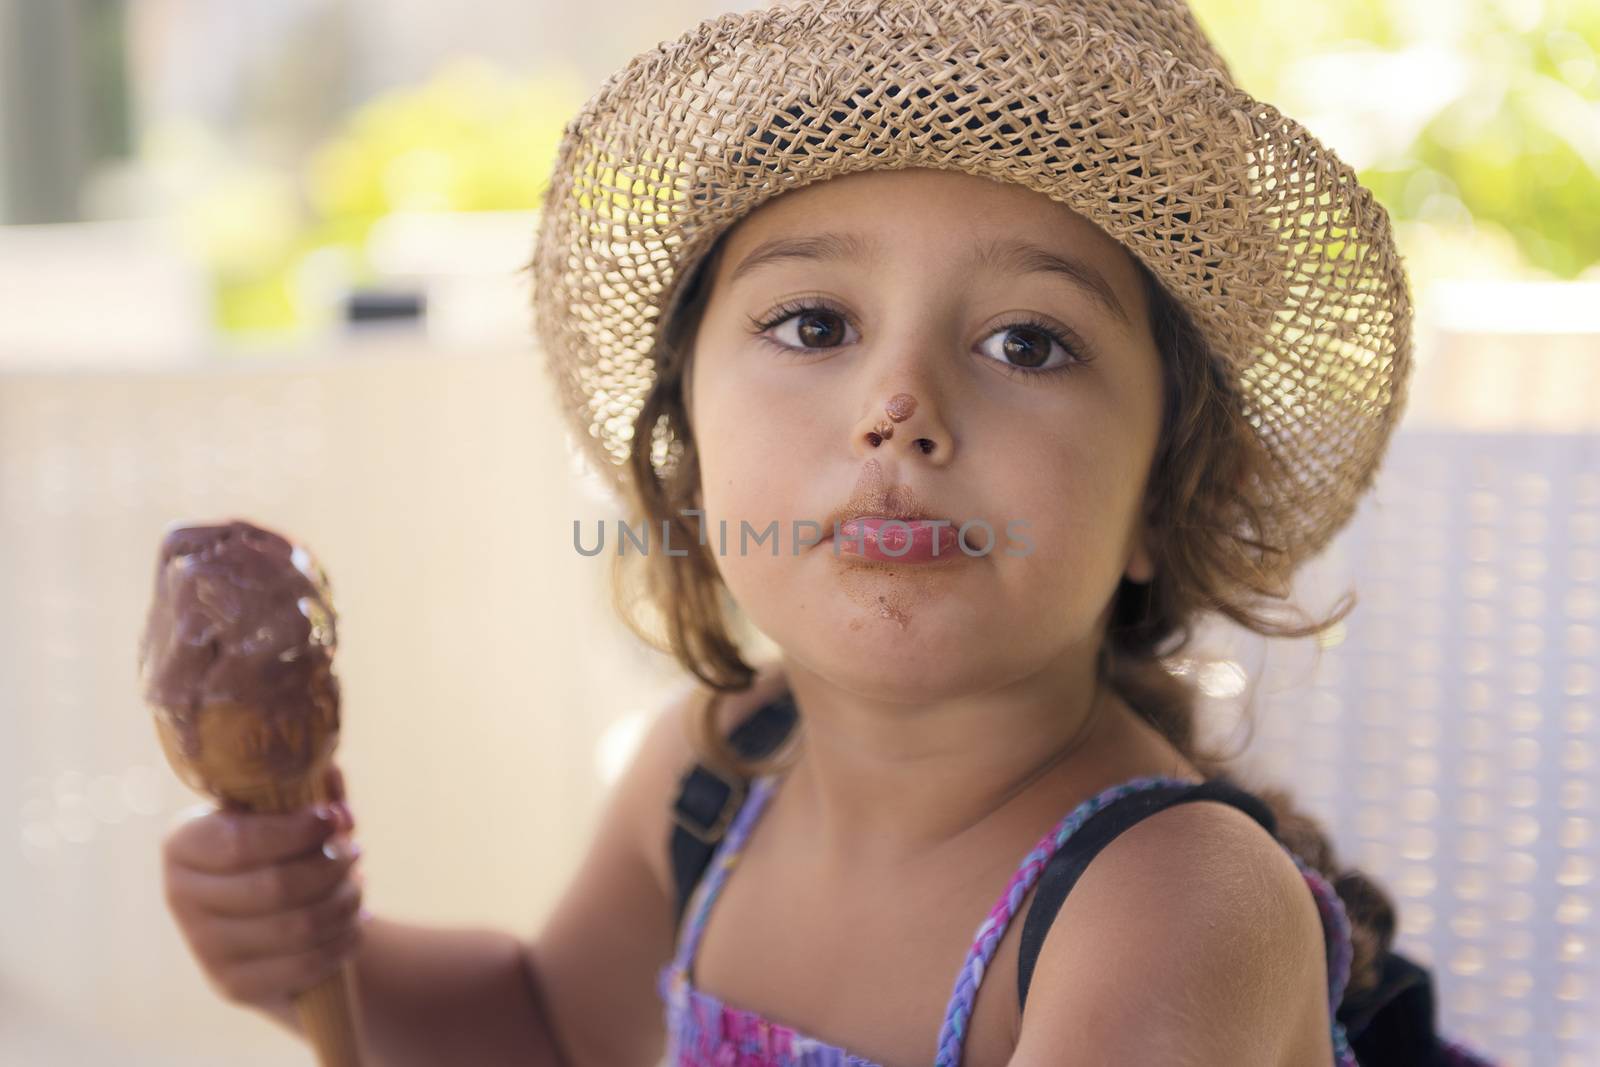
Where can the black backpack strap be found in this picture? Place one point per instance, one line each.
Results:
(707, 800)
(1098, 831)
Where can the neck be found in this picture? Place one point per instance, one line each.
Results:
(884, 781)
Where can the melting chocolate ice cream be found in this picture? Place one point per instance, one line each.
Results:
(236, 656)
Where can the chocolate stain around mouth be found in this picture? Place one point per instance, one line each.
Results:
(865, 585)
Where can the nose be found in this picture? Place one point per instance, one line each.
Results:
(902, 419)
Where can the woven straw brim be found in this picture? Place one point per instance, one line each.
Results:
(1122, 111)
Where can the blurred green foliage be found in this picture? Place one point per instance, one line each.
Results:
(1476, 122)
(471, 138)
(1508, 148)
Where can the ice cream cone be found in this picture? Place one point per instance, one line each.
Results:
(236, 667)
(328, 1010)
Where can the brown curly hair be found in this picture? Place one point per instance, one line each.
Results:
(1208, 558)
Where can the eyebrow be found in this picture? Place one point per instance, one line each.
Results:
(1019, 256)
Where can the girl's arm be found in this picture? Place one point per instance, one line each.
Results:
(583, 994)
(431, 996)
(1195, 942)
(603, 946)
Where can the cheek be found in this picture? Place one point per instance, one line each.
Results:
(1071, 497)
(756, 441)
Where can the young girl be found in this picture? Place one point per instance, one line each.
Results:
(969, 352)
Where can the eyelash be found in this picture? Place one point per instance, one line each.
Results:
(1069, 341)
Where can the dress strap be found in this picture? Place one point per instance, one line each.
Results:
(1057, 863)
(993, 928)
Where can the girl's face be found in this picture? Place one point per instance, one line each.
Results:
(908, 345)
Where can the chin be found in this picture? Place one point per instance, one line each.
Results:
(905, 676)
(939, 651)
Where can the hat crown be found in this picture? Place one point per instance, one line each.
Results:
(1164, 24)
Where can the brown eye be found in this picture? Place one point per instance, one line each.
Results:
(814, 328)
(1032, 346)
(1026, 347)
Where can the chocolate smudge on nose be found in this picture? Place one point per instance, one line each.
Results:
(901, 407)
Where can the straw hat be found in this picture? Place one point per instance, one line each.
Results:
(1119, 109)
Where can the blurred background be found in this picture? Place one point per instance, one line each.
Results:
(261, 260)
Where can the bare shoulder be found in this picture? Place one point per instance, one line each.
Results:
(596, 960)
(1192, 938)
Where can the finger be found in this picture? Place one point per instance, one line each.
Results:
(333, 782)
(263, 890)
(282, 933)
(258, 979)
(185, 815)
(230, 841)
(338, 798)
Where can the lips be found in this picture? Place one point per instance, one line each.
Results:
(891, 539)
(890, 524)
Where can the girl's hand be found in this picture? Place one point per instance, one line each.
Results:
(269, 904)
